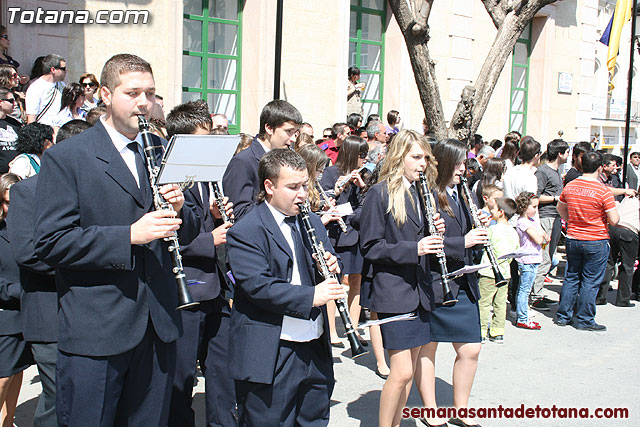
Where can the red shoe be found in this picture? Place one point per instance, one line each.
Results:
(547, 279)
(534, 326)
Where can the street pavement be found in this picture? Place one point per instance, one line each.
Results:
(554, 366)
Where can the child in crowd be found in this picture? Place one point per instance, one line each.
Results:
(532, 237)
(504, 239)
(491, 193)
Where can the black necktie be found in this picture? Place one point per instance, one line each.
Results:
(301, 259)
(416, 199)
(143, 178)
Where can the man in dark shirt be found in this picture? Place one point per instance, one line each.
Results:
(549, 190)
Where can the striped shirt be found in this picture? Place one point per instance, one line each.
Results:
(588, 202)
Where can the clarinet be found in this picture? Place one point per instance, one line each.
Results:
(429, 212)
(500, 280)
(325, 197)
(219, 198)
(185, 300)
(341, 183)
(318, 251)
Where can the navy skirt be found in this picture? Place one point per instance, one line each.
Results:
(405, 334)
(351, 259)
(15, 355)
(459, 322)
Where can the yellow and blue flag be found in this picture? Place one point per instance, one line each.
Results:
(611, 35)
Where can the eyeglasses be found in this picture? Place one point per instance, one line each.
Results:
(4, 36)
(363, 155)
(11, 100)
(91, 84)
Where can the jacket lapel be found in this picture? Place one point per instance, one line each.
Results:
(411, 211)
(114, 166)
(272, 227)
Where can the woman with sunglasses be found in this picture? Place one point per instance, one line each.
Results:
(89, 83)
(70, 107)
(9, 79)
(345, 181)
(9, 128)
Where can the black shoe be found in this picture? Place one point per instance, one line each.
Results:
(601, 302)
(459, 422)
(626, 304)
(561, 322)
(498, 339)
(425, 422)
(337, 344)
(549, 301)
(593, 327)
(381, 375)
(540, 305)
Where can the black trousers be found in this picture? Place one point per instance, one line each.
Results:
(46, 356)
(624, 248)
(205, 339)
(300, 392)
(129, 389)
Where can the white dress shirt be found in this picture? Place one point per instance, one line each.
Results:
(120, 141)
(293, 328)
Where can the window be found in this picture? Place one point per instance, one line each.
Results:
(212, 52)
(520, 82)
(366, 50)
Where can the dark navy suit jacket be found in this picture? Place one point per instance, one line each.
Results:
(39, 302)
(108, 289)
(240, 180)
(351, 195)
(9, 287)
(457, 255)
(200, 258)
(262, 263)
(395, 278)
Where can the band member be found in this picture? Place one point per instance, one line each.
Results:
(394, 244)
(458, 323)
(117, 322)
(345, 180)
(279, 124)
(279, 352)
(14, 350)
(206, 327)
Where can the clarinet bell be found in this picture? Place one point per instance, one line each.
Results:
(356, 348)
(449, 299)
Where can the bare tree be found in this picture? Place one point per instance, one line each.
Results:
(510, 17)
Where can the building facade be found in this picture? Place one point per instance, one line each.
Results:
(224, 51)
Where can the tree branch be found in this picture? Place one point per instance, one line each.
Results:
(495, 11)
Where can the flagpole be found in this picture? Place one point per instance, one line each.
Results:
(627, 122)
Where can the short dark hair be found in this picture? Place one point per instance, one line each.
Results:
(353, 71)
(581, 148)
(555, 148)
(94, 114)
(70, 129)
(338, 128)
(186, 118)
(529, 147)
(271, 163)
(635, 153)
(472, 164)
(392, 117)
(608, 158)
(120, 64)
(276, 113)
(32, 136)
(51, 61)
(506, 205)
(591, 161)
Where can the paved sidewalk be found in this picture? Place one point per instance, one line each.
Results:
(561, 366)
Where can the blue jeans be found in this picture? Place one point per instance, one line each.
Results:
(527, 277)
(586, 265)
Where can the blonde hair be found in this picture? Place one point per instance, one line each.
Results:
(393, 170)
(316, 158)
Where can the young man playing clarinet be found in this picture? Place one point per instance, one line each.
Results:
(95, 224)
(279, 351)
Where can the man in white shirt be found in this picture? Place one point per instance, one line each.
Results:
(279, 342)
(44, 96)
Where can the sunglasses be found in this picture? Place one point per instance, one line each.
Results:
(11, 100)
(14, 76)
(363, 155)
(61, 68)
(89, 84)
(326, 136)
(4, 36)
